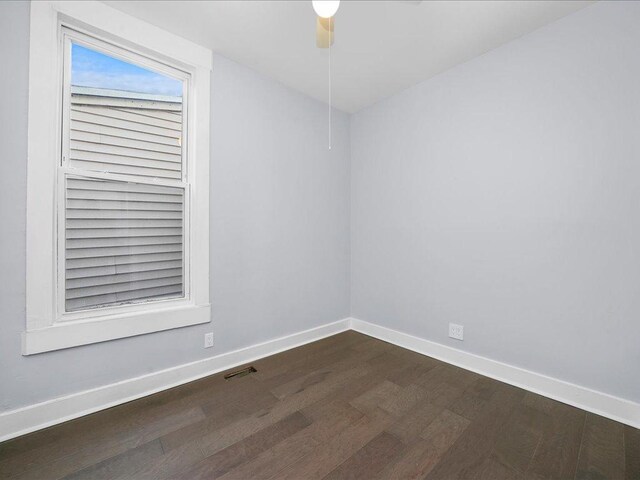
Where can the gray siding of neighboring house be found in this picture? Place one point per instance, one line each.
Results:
(123, 239)
(126, 135)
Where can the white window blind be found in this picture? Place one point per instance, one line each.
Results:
(123, 242)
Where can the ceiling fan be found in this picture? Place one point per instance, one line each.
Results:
(325, 9)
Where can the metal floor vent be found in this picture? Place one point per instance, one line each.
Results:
(240, 373)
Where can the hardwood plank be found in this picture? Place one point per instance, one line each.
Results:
(269, 463)
(122, 465)
(369, 401)
(171, 464)
(416, 462)
(443, 393)
(540, 403)
(425, 452)
(404, 400)
(370, 460)
(484, 387)
(301, 383)
(519, 438)
(602, 449)
(492, 469)
(327, 456)
(407, 375)
(443, 385)
(557, 453)
(350, 391)
(466, 378)
(467, 455)
(409, 427)
(241, 452)
(273, 434)
(469, 405)
(444, 430)
(632, 452)
(388, 365)
(474, 397)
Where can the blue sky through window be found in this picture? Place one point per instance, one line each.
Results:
(94, 69)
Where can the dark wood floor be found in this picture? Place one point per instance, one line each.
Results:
(348, 406)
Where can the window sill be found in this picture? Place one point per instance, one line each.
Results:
(73, 334)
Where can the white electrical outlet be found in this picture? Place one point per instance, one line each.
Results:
(208, 340)
(456, 331)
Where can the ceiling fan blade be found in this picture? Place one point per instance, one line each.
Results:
(324, 32)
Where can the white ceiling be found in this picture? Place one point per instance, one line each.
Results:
(381, 47)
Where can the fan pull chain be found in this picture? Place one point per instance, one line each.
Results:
(330, 94)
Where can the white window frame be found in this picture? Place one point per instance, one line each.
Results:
(49, 327)
(73, 35)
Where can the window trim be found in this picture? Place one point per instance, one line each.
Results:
(45, 329)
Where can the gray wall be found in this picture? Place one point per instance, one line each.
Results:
(504, 195)
(279, 230)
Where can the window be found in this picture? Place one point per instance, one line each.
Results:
(123, 171)
(127, 171)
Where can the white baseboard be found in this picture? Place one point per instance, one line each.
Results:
(34, 417)
(618, 409)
